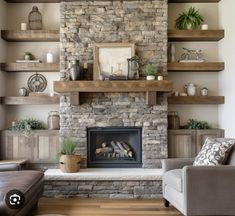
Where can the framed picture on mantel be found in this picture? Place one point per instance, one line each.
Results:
(110, 60)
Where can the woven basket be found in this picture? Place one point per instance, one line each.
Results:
(70, 163)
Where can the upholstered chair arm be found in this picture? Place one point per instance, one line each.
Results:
(209, 190)
(175, 163)
(9, 167)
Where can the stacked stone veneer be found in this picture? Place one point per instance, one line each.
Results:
(103, 189)
(84, 23)
(109, 109)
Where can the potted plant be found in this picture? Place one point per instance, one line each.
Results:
(150, 71)
(190, 19)
(28, 56)
(194, 124)
(25, 126)
(69, 161)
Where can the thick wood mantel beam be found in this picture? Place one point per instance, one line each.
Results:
(149, 87)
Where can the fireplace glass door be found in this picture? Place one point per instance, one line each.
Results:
(114, 147)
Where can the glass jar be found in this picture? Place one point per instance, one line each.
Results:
(173, 120)
(133, 67)
(53, 120)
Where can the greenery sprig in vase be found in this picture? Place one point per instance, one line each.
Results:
(190, 19)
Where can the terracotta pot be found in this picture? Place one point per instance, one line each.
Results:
(70, 163)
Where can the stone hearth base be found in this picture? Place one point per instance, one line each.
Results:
(104, 183)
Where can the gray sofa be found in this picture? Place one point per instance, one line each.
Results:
(200, 190)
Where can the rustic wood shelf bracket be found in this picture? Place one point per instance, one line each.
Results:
(151, 98)
(74, 98)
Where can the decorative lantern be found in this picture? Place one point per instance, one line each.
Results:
(35, 19)
(133, 67)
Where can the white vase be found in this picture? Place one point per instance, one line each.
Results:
(150, 77)
(49, 57)
(191, 89)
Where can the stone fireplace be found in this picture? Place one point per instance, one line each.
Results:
(144, 23)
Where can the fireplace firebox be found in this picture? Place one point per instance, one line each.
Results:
(114, 147)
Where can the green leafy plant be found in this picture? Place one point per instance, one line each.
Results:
(195, 124)
(68, 146)
(190, 19)
(150, 70)
(30, 55)
(25, 126)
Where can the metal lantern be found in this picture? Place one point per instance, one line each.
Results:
(35, 19)
(133, 67)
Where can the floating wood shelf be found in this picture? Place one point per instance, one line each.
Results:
(196, 100)
(57, 1)
(193, 1)
(150, 87)
(195, 67)
(33, 1)
(30, 100)
(195, 35)
(31, 35)
(30, 67)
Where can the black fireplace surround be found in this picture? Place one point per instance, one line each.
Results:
(114, 147)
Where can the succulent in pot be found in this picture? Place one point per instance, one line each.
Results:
(69, 161)
(150, 71)
(190, 19)
(28, 56)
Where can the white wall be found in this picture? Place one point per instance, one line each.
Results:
(210, 49)
(227, 78)
(16, 14)
(2, 59)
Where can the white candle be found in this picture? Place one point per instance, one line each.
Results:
(23, 26)
(204, 27)
(159, 77)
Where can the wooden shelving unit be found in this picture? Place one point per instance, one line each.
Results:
(30, 67)
(30, 100)
(57, 1)
(196, 67)
(196, 100)
(193, 1)
(195, 35)
(31, 35)
(33, 1)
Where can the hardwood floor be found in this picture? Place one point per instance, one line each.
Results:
(97, 207)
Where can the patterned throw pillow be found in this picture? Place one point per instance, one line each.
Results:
(214, 152)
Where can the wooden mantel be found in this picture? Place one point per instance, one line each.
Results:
(150, 87)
